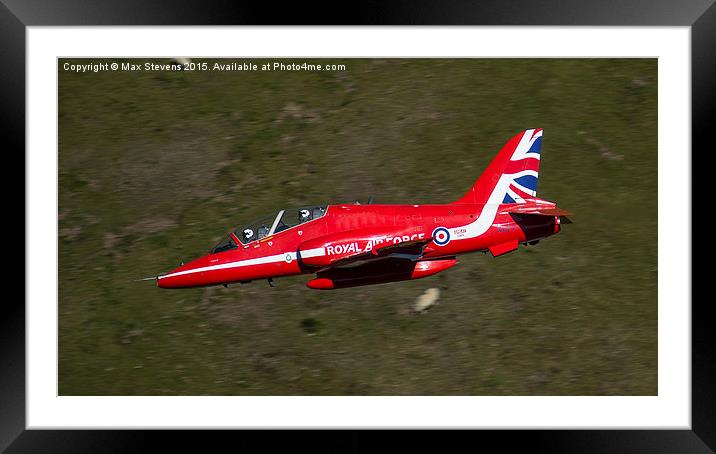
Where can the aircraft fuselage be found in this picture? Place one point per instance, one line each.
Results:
(351, 244)
(348, 229)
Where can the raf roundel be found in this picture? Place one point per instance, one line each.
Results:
(441, 236)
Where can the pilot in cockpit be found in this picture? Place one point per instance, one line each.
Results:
(263, 231)
(303, 216)
(248, 234)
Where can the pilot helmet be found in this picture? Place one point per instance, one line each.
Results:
(305, 214)
(248, 233)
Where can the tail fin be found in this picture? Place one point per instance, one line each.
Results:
(512, 175)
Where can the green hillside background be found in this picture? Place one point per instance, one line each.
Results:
(155, 167)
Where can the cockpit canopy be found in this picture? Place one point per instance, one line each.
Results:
(270, 225)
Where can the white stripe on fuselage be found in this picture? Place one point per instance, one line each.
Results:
(317, 252)
(257, 261)
(486, 218)
(487, 215)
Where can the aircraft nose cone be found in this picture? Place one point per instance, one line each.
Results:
(186, 275)
(167, 280)
(176, 278)
(162, 282)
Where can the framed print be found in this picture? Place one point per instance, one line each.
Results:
(349, 303)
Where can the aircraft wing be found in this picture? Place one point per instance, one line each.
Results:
(409, 250)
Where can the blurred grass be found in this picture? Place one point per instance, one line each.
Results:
(155, 167)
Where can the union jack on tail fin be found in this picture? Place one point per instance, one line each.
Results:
(512, 175)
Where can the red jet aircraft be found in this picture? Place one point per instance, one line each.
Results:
(351, 244)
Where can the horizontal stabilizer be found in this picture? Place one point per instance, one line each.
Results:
(539, 211)
(534, 206)
(554, 212)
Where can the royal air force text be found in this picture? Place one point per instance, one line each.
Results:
(355, 247)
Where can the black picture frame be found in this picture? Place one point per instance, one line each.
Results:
(16, 15)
